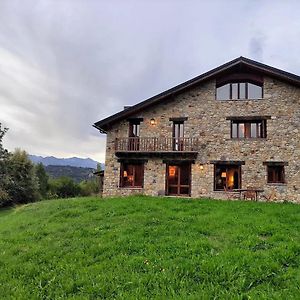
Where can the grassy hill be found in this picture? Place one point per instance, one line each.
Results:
(143, 247)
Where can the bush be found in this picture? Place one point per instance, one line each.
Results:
(4, 198)
(89, 187)
(63, 187)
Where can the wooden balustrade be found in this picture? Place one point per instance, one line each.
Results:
(155, 144)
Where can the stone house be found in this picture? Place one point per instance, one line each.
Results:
(232, 128)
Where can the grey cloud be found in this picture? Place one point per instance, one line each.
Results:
(66, 64)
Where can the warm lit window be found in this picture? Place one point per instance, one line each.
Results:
(239, 91)
(227, 176)
(248, 129)
(132, 175)
(275, 174)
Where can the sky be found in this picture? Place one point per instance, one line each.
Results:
(66, 64)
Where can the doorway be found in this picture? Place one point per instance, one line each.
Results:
(178, 179)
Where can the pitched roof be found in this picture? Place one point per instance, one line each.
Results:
(238, 63)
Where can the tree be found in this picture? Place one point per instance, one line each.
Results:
(63, 187)
(43, 179)
(24, 186)
(89, 187)
(4, 171)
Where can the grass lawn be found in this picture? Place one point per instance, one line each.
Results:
(143, 247)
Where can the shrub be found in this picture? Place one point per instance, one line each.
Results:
(63, 187)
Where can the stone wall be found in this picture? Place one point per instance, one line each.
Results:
(207, 121)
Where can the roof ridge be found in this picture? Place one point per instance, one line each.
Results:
(103, 124)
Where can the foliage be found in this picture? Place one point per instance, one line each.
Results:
(89, 187)
(42, 179)
(4, 170)
(150, 248)
(63, 187)
(24, 185)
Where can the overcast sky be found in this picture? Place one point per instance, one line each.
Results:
(67, 64)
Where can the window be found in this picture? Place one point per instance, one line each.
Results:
(134, 134)
(227, 176)
(178, 134)
(248, 129)
(132, 175)
(275, 174)
(134, 128)
(239, 91)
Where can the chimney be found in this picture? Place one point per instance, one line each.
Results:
(127, 106)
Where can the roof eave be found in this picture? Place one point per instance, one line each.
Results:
(104, 124)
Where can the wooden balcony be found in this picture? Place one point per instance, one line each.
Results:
(156, 145)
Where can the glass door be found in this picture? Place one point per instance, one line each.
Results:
(134, 136)
(178, 179)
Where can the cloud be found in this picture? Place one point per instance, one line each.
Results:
(67, 64)
(256, 46)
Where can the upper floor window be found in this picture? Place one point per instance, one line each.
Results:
(248, 129)
(239, 91)
(134, 133)
(134, 128)
(178, 133)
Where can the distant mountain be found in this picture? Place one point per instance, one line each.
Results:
(73, 161)
(76, 173)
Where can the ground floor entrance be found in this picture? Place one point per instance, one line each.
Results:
(178, 179)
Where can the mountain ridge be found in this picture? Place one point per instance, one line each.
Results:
(71, 161)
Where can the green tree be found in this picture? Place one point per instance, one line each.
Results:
(24, 186)
(89, 187)
(63, 187)
(43, 179)
(99, 168)
(4, 170)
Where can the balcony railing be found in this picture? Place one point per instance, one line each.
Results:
(154, 144)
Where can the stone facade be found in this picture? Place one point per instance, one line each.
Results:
(207, 121)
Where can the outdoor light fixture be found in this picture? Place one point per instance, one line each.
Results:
(223, 174)
(152, 121)
(201, 167)
(125, 174)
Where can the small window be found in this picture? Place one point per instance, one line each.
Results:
(227, 177)
(132, 175)
(276, 174)
(239, 91)
(248, 129)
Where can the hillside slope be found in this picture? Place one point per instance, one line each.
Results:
(142, 247)
(76, 173)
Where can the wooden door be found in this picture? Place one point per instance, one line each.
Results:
(178, 179)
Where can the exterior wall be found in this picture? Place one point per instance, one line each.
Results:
(207, 121)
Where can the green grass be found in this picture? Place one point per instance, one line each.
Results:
(143, 247)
